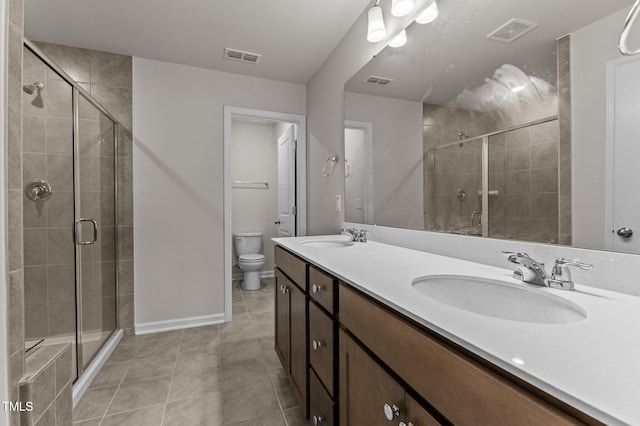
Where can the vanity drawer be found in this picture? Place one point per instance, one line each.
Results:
(461, 389)
(322, 346)
(293, 266)
(321, 406)
(322, 288)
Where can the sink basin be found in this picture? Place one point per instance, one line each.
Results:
(499, 299)
(327, 243)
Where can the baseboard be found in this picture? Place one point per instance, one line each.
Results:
(177, 324)
(263, 274)
(82, 384)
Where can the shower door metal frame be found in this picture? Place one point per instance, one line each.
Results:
(485, 164)
(78, 91)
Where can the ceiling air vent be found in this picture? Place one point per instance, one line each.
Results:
(512, 30)
(240, 55)
(379, 81)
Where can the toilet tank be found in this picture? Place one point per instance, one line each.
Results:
(248, 242)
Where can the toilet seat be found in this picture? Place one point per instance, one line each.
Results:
(251, 258)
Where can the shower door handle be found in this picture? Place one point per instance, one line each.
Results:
(77, 231)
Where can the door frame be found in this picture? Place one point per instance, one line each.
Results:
(367, 128)
(300, 122)
(610, 141)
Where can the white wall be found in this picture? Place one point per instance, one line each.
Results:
(4, 308)
(325, 114)
(254, 158)
(591, 48)
(398, 174)
(178, 182)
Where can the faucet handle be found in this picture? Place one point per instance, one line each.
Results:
(561, 275)
(513, 256)
(562, 262)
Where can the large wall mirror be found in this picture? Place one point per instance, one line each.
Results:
(505, 119)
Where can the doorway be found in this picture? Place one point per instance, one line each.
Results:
(287, 184)
(358, 175)
(622, 210)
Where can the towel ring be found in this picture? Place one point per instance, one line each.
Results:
(330, 164)
(631, 18)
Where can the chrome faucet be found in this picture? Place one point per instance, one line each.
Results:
(531, 271)
(352, 232)
(357, 235)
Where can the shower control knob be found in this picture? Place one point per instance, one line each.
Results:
(624, 232)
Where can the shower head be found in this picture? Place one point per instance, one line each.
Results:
(30, 88)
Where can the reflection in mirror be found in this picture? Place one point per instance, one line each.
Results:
(357, 174)
(492, 121)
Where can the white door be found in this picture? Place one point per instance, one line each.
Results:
(624, 152)
(287, 183)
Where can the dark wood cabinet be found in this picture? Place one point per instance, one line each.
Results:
(365, 388)
(291, 324)
(322, 407)
(353, 361)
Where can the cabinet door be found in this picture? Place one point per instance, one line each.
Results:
(366, 388)
(298, 339)
(416, 414)
(321, 406)
(282, 321)
(322, 345)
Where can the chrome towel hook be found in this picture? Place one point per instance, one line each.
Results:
(631, 18)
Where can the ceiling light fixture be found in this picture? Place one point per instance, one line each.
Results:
(517, 89)
(401, 8)
(429, 14)
(376, 30)
(399, 40)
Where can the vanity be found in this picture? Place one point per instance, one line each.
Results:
(373, 333)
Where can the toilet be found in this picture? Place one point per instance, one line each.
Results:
(248, 247)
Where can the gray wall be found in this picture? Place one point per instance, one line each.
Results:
(179, 229)
(397, 157)
(591, 48)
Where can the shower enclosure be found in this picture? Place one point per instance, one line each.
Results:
(502, 184)
(69, 212)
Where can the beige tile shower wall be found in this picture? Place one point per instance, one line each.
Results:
(564, 143)
(15, 295)
(49, 270)
(108, 78)
(455, 168)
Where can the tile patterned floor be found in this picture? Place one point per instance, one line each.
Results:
(225, 374)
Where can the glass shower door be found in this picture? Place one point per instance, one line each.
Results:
(457, 187)
(95, 227)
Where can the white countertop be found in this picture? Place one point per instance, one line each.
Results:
(593, 365)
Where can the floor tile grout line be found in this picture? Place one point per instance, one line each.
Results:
(116, 392)
(173, 374)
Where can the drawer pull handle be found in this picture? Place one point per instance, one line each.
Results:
(317, 420)
(316, 288)
(405, 424)
(391, 411)
(316, 344)
(284, 289)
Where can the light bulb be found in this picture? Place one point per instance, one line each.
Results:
(429, 14)
(517, 89)
(376, 30)
(401, 7)
(399, 40)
